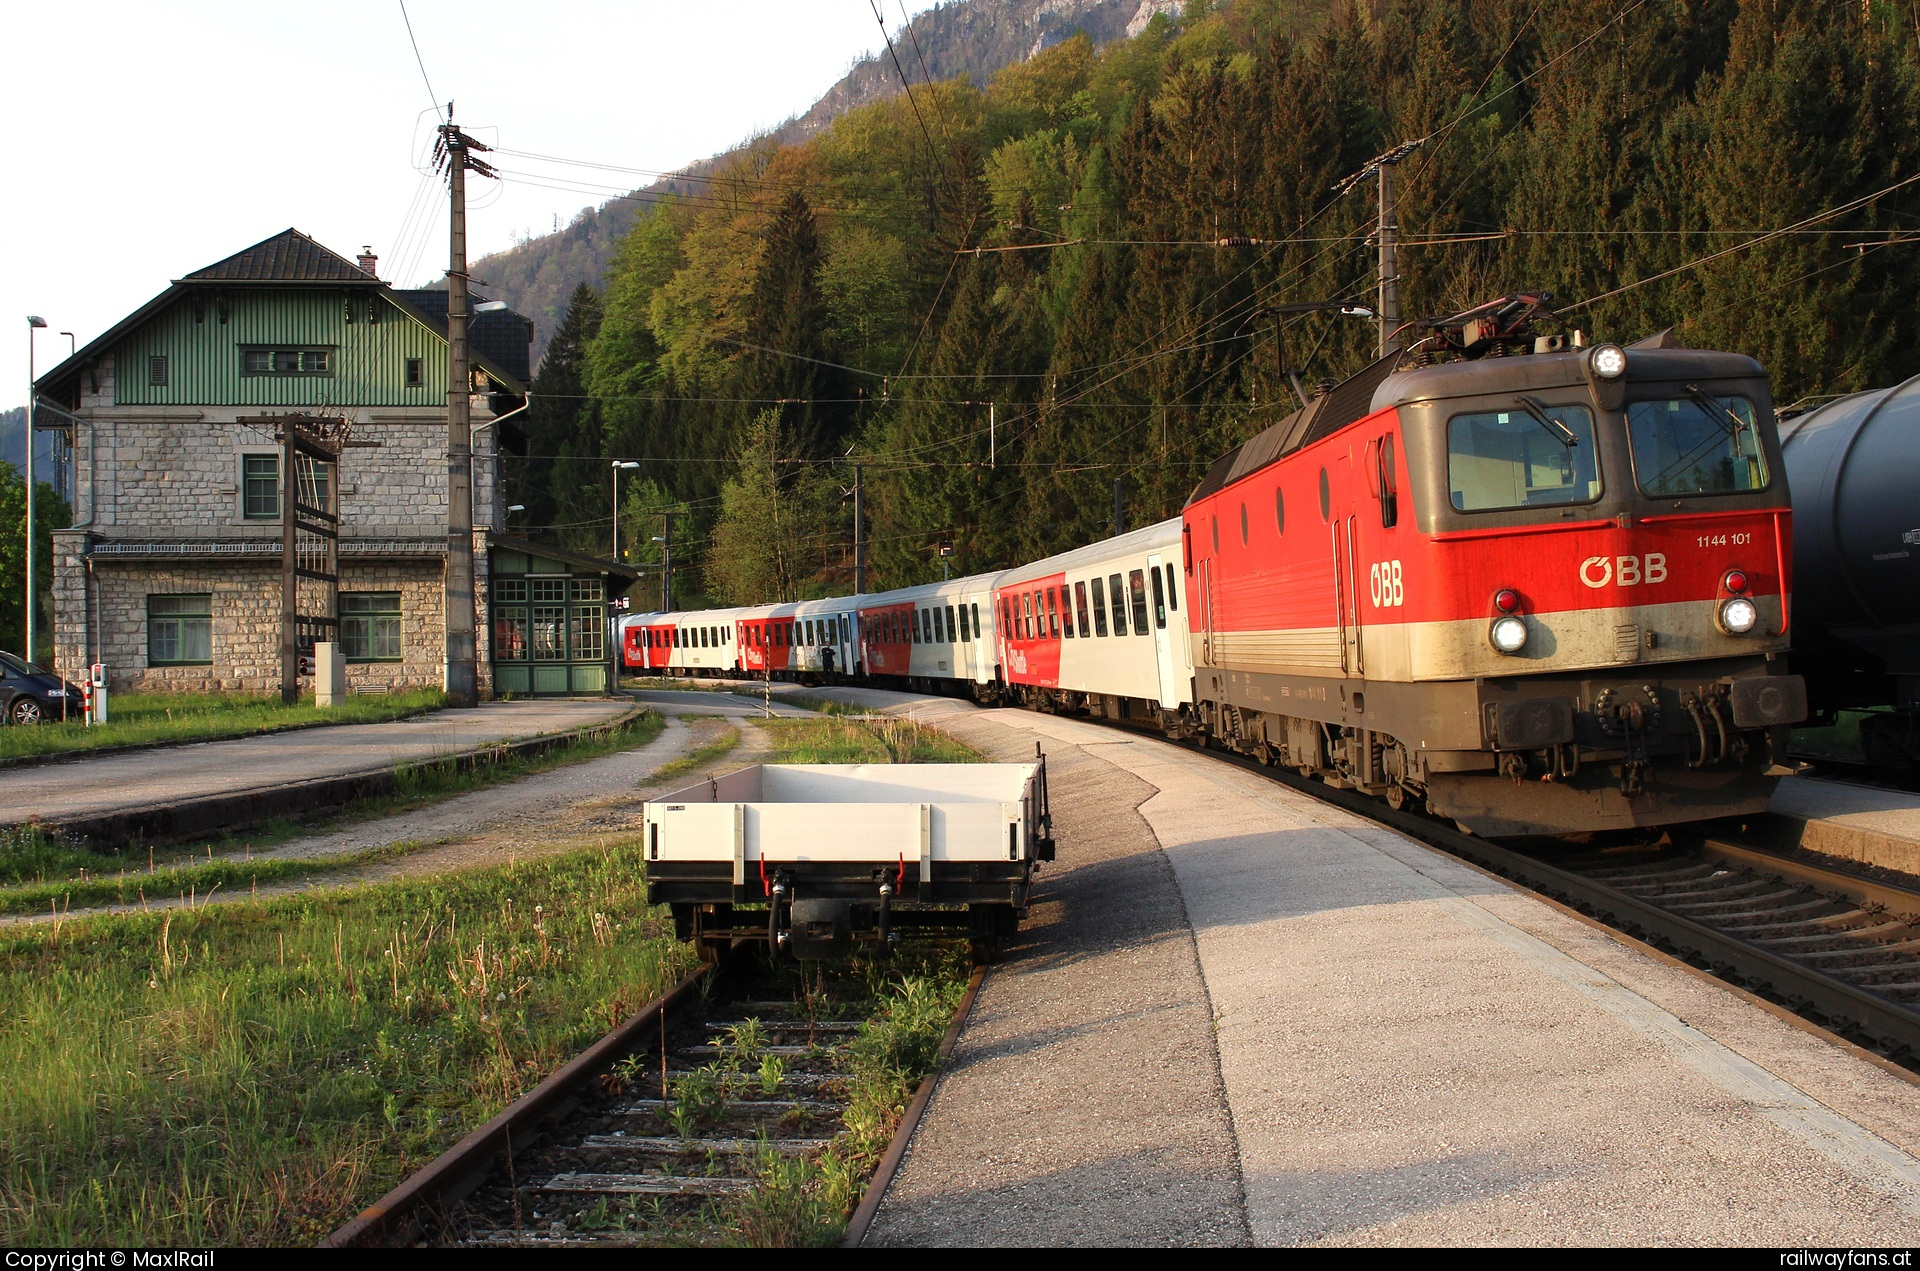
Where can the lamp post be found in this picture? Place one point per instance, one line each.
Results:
(34, 323)
(618, 468)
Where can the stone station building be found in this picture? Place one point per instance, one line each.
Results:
(171, 573)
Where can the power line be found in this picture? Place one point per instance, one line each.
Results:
(1841, 210)
(420, 61)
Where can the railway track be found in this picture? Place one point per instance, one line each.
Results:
(664, 1131)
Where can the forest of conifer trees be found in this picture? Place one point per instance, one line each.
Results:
(1050, 245)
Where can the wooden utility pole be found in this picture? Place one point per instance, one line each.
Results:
(1389, 262)
(666, 565)
(455, 149)
(859, 535)
(1387, 235)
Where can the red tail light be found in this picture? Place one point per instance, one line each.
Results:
(1735, 581)
(1506, 600)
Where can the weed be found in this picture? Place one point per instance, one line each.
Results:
(773, 1070)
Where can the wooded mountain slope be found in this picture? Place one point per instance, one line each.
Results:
(969, 38)
(1048, 243)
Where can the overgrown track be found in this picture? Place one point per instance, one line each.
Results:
(1840, 949)
(653, 1133)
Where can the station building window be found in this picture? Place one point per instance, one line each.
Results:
(370, 626)
(180, 630)
(260, 487)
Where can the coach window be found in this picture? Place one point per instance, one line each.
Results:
(939, 627)
(952, 631)
(1243, 525)
(919, 626)
(1080, 603)
(966, 628)
(1159, 600)
(1137, 585)
(1099, 608)
(1279, 510)
(1053, 614)
(1026, 614)
(1173, 592)
(1066, 611)
(1215, 522)
(977, 632)
(1118, 596)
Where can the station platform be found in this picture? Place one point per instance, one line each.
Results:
(101, 785)
(1237, 1015)
(1868, 824)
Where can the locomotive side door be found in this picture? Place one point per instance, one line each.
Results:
(1162, 636)
(1205, 615)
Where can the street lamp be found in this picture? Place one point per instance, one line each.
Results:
(34, 323)
(618, 468)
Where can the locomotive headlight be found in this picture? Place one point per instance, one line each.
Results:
(1509, 634)
(1738, 615)
(1609, 361)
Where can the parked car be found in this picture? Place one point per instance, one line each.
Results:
(29, 694)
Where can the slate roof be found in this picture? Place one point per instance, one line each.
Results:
(503, 337)
(288, 256)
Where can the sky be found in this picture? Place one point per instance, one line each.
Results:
(146, 140)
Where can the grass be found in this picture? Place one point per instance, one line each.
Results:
(137, 719)
(39, 870)
(697, 757)
(254, 1074)
(824, 705)
(885, 740)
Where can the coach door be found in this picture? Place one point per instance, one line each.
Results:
(1162, 633)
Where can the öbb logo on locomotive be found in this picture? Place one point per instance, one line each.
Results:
(1385, 585)
(1627, 571)
(1483, 699)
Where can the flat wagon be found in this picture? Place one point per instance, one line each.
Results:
(814, 857)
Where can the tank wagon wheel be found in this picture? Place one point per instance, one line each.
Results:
(25, 711)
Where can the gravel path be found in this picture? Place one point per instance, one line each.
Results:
(560, 810)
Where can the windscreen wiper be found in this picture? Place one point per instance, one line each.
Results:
(1561, 433)
(1722, 416)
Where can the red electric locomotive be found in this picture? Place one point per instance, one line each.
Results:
(1541, 587)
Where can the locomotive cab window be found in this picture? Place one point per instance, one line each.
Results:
(1538, 456)
(1386, 487)
(1696, 445)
